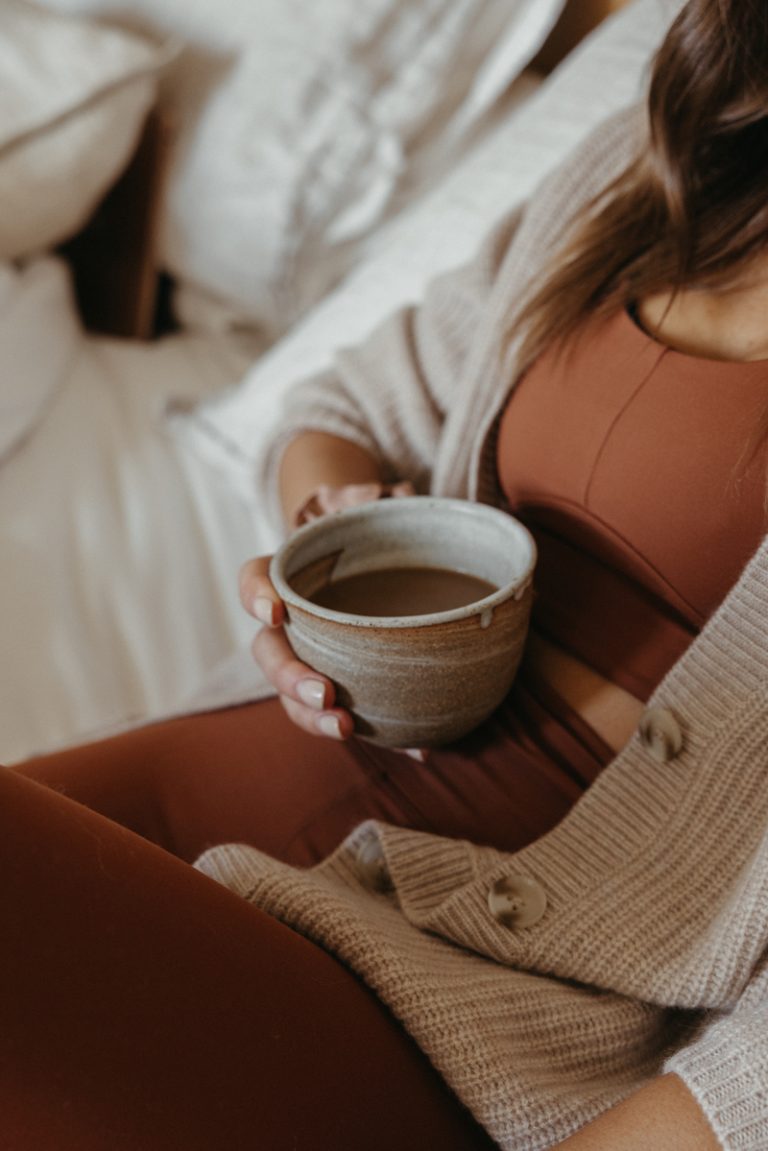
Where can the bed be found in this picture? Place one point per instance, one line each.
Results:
(256, 187)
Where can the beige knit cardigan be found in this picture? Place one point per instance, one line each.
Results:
(651, 951)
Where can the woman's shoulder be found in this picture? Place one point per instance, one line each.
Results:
(590, 167)
(605, 150)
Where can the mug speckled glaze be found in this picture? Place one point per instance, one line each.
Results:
(415, 680)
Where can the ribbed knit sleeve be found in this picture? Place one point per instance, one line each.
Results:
(391, 395)
(416, 395)
(726, 1071)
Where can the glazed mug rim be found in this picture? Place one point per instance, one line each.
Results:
(513, 589)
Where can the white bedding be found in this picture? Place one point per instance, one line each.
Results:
(34, 298)
(118, 553)
(120, 538)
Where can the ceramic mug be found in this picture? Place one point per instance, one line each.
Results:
(411, 680)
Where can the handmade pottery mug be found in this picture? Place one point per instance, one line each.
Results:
(416, 608)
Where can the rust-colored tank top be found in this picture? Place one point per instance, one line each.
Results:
(631, 465)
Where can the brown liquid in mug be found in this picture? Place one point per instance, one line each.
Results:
(402, 591)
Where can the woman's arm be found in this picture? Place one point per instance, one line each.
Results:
(663, 1115)
(336, 473)
(317, 459)
(390, 395)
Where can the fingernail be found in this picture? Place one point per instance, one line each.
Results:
(329, 725)
(264, 610)
(417, 754)
(312, 693)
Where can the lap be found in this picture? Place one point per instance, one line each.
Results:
(142, 1005)
(248, 775)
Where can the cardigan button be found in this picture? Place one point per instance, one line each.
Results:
(517, 901)
(372, 866)
(660, 734)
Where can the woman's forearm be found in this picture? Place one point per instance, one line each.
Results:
(663, 1115)
(316, 458)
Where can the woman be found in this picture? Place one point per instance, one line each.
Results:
(592, 976)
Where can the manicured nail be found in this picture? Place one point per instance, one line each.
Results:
(264, 610)
(329, 725)
(312, 693)
(416, 753)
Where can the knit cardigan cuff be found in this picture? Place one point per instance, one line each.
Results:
(726, 1071)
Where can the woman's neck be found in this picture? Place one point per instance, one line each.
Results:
(717, 324)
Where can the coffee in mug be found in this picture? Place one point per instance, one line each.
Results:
(417, 670)
(403, 591)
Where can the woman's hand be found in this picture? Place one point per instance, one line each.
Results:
(325, 498)
(307, 696)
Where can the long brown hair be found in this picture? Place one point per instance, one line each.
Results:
(692, 209)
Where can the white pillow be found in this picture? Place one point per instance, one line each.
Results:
(441, 231)
(73, 98)
(333, 113)
(304, 125)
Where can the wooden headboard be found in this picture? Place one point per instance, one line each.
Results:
(113, 259)
(579, 17)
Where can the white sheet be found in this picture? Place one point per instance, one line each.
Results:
(118, 556)
(302, 126)
(33, 299)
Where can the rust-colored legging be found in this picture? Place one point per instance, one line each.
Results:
(144, 1007)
